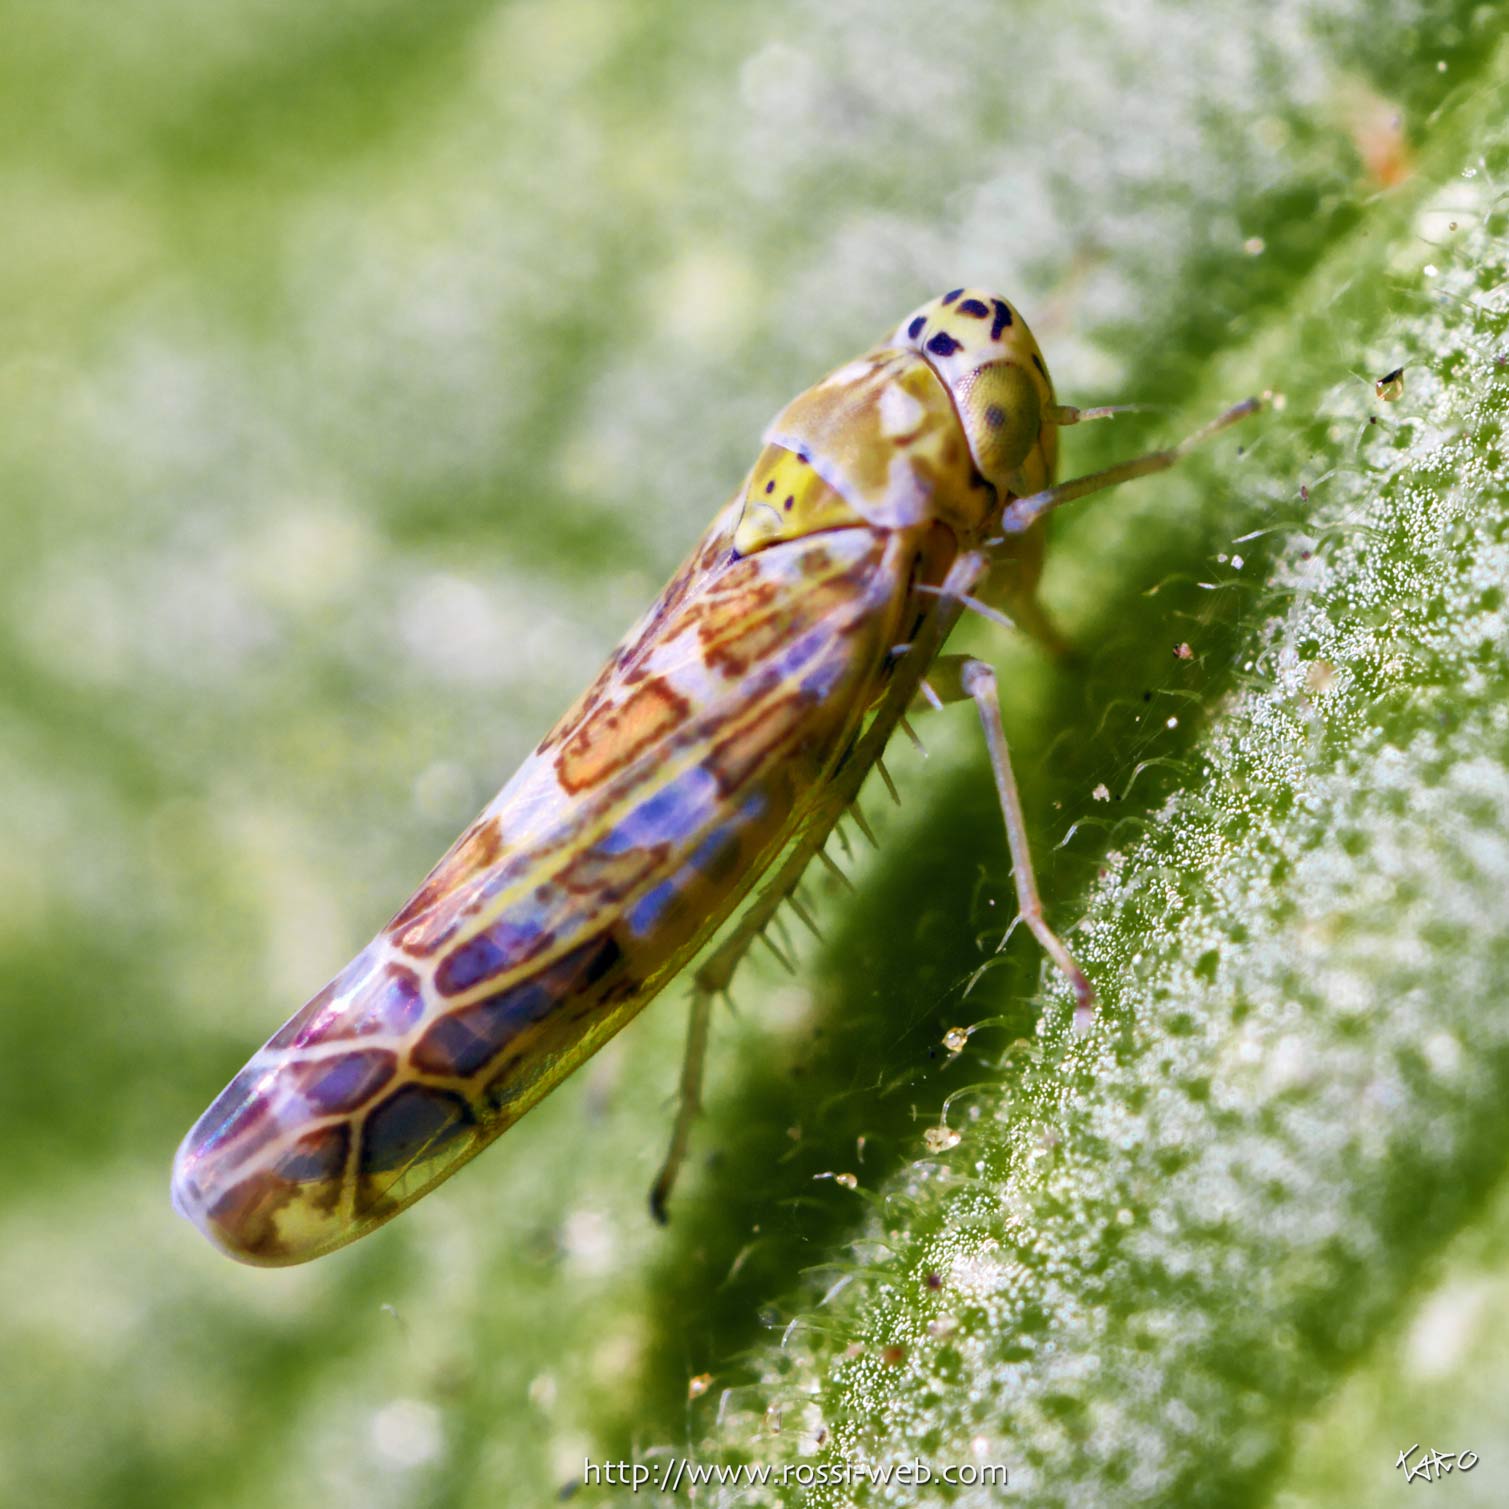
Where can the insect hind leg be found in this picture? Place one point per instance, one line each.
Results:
(689, 1094)
(711, 980)
(716, 971)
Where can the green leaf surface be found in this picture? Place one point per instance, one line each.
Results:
(364, 370)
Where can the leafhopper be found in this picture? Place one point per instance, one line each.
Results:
(705, 767)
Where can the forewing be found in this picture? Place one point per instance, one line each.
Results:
(624, 840)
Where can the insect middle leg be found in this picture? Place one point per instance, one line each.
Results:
(955, 678)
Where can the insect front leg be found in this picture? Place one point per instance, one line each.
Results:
(1023, 514)
(1016, 560)
(955, 678)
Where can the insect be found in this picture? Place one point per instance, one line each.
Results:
(715, 753)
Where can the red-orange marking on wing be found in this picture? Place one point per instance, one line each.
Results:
(628, 660)
(583, 707)
(614, 736)
(736, 635)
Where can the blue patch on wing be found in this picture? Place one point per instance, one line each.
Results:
(506, 943)
(646, 913)
(334, 1085)
(672, 815)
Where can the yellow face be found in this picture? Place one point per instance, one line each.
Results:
(988, 360)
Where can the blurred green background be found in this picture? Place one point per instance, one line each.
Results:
(365, 369)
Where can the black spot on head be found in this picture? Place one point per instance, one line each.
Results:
(948, 298)
(1002, 319)
(915, 328)
(1037, 362)
(770, 486)
(790, 501)
(995, 416)
(802, 457)
(943, 344)
(975, 309)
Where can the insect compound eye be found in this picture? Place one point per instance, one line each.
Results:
(1001, 407)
